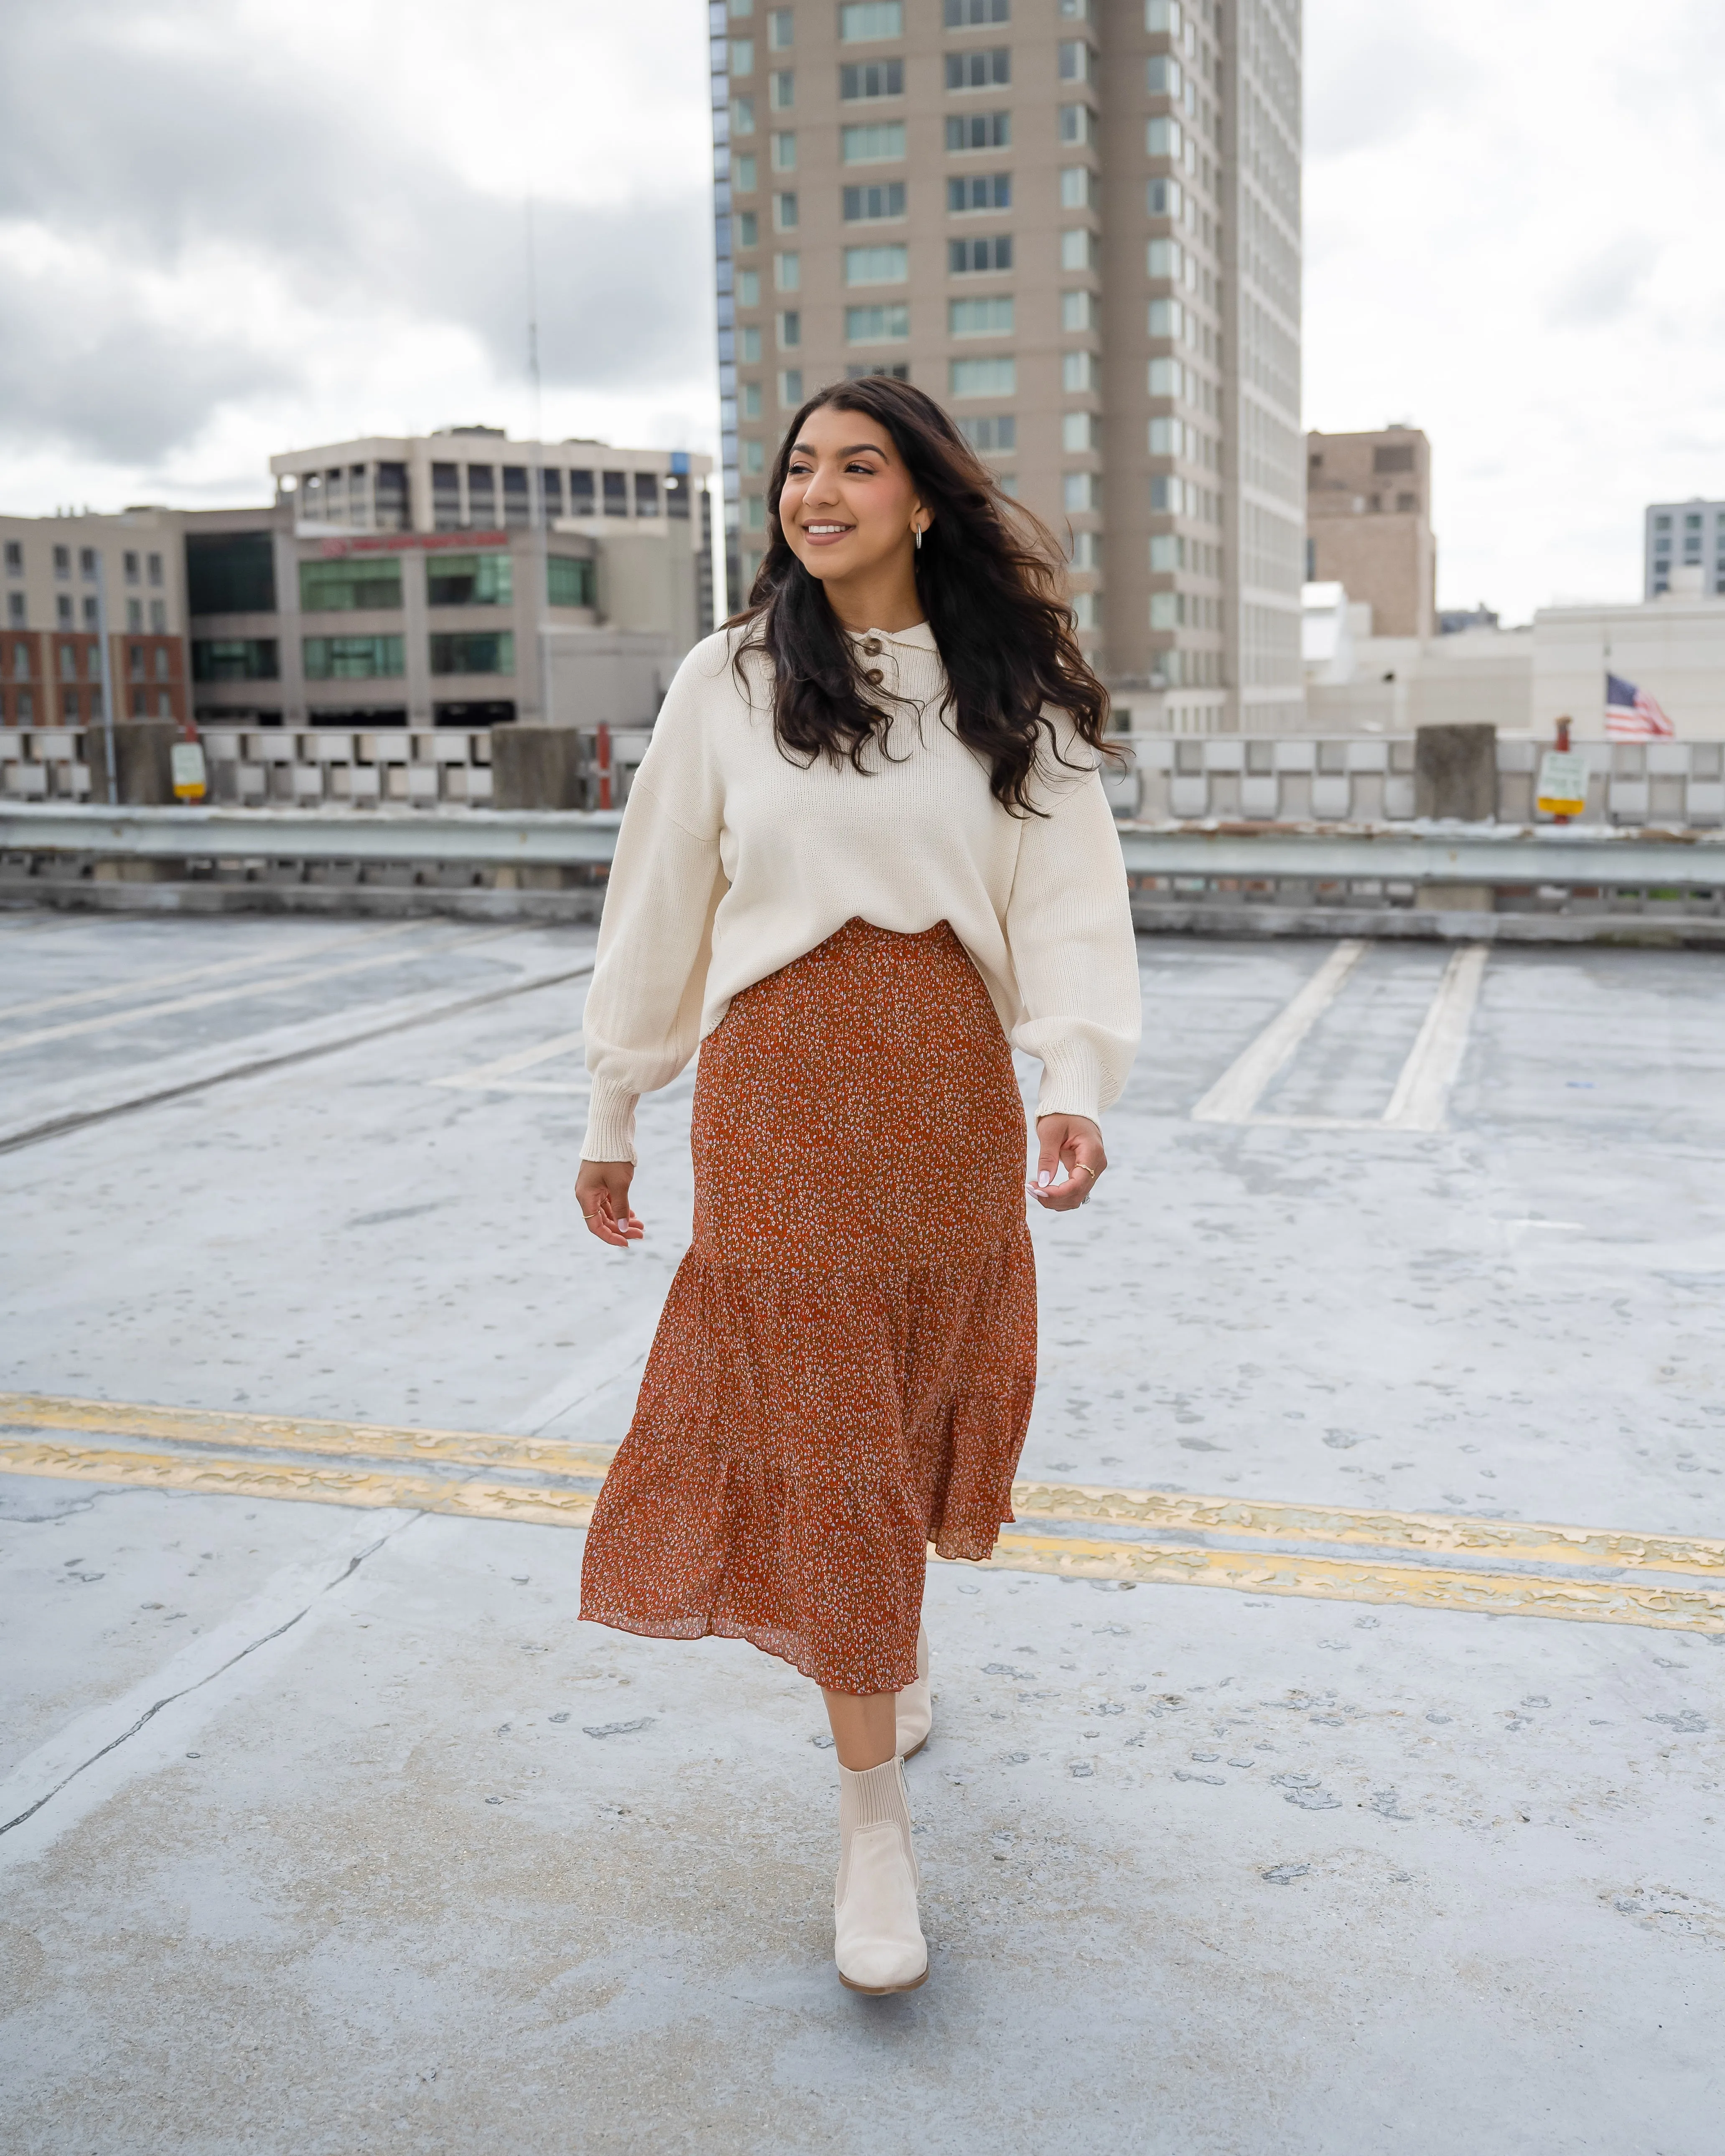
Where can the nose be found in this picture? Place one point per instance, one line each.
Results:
(822, 488)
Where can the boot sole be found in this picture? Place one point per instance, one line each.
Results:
(884, 1990)
(916, 1747)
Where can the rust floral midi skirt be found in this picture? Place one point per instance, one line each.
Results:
(843, 1371)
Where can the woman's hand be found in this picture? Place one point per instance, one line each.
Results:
(602, 1193)
(1074, 1142)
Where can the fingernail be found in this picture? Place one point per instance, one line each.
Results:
(1044, 1178)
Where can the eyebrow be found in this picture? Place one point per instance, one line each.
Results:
(803, 450)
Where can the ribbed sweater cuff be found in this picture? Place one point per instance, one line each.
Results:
(1071, 1081)
(610, 1122)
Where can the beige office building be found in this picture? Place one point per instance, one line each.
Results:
(1369, 525)
(1077, 223)
(63, 578)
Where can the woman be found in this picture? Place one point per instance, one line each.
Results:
(868, 843)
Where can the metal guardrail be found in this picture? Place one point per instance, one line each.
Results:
(1433, 853)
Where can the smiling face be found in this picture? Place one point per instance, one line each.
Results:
(848, 507)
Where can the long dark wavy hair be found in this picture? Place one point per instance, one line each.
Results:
(991, 579)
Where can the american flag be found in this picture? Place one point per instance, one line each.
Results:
(1631, 714)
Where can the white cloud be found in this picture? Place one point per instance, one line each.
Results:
(1511, 214)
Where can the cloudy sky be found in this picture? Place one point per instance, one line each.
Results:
(232, 226)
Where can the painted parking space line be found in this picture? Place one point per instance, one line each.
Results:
(238, 992)
(257, 962)
(504, 1075)
(1235, 1095)
(1419, 1100)
(1691, 1597)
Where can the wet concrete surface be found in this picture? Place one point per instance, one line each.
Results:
(409, 1860)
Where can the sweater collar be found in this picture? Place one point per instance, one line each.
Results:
(919, 639)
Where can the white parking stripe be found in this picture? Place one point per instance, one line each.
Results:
(1421, 1098)
(234, 994)
(1237, 1092)
(502, 1075)
(256, 961)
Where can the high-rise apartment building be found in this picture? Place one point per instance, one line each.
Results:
(1076, 223)
(1683, 535)
(1369, 525)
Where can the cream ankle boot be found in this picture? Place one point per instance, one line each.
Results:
(915, 1705)
(878, 1941)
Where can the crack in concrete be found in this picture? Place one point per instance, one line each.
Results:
(185, 1691)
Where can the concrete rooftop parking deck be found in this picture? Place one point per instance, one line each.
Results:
(1293, 1787)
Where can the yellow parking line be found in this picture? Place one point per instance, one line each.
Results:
(1269, 1519)
(1342, 1579)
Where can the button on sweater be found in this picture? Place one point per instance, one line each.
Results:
(734, 859)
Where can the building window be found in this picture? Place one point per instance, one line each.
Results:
(69, 662)
(748, 344)
(748, 288)
(1078, 250)
(69, 704)
(1166, 493)
(343, 586)
(790, 388)
(991, 433)
(135, 614)
(788, 272)
(1078, 372)
(979, 131)
(15, 558)
(1087, 610)
(616, 491)
(482, 497)
(63, 610)
(784, 153)
(87, 561)
(473, 651)
(1164, 198)
(975, 318)
(20, 662)
(235, 659)
(742, 116)
(1078, 187)
(1086, 552)
(158, 616)
(569, 580)
(1398, 457)
(15, 614)
(580, 494)
(445, 498)
(784, 212)
(1162, 258)
(743, 174)
(517, 502)
(877, 324)
(1162, 138)
(1165, 377)
(486, 579)
(879, 144)
(971, 14)
(782, 89)
(967, 257)
(1165, 318)
(754, 458)
(23, 703)
(1078, 310)
(754, 513)
(1080, 432)
(130, 567)
(1162, 77)
(982, 377)
(1405, 502)
(89, 614)
(1078, 124)
(63, 561)
(1162, 15)
(790, 330)
(353, 657)
(990, 69)
(748, 228)
(865, 23)
(742, 56)
(781, 28)
(876, 204)
(1081, 491)
(550, 493)
(1077, 61)
(750, 400)
(1167, 551)
(1166, 610)
(860, 79)
(646, 494)
(876, 265)
(978, 191)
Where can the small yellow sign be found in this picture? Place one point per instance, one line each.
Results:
(1563, 782)
(190, 776)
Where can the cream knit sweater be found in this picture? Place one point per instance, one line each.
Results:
(733, 861)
